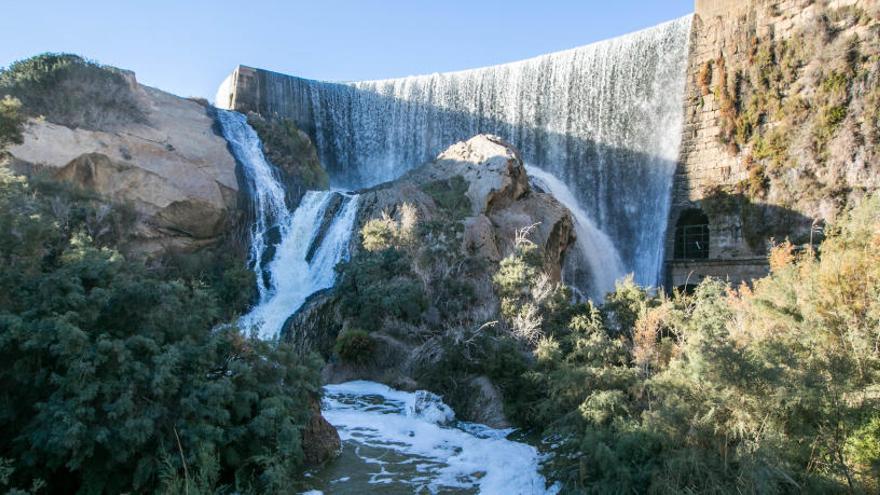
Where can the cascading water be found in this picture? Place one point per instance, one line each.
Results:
(309, 245)
(294, 275)
(602, 126)
(605, 119)
(595, 250)
(404, 442)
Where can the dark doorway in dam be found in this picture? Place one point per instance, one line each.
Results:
(687, 289)
(692, 235)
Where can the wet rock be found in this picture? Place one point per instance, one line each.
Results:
(487, 404)
(430, 407)
(320, 440)
(315, 326)
(336, 202)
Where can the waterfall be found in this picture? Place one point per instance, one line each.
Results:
(605, 119)
(595, 250)
(293, 253)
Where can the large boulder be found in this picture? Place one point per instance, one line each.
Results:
(169, 163)
(472, 201)
(320, 440)
(492, 168)
(501, 200)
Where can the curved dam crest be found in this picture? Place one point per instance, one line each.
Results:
(605, 118)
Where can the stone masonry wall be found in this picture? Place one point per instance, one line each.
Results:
(707, 163)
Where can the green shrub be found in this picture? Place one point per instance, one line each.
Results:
(118, 376)
(450, 196)
(379, 234)
(832, 117)
(378, 285)
(220, 268)
(765, 390)
(291, 150)
(519, 271)
(454, 296)
(11, 122)
(773, 146)
(355, 347)
(835, 83)
(69, 90)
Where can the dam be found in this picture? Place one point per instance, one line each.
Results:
(605, 119)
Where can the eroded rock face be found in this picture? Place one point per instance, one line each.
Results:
(481, 185)
(172, 167)
(320, 440)
(492, 168)
(488, 403)
(501, 199)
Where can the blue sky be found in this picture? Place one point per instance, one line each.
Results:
(188, 47)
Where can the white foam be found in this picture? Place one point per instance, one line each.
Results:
(292, 278)
(374, 416)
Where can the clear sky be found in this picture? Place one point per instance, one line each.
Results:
(188, 47)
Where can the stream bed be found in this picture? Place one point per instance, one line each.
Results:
(396, 442)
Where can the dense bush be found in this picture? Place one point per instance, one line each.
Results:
(449, 196)
(764, 390)
(377, 285)
(11, 121)
(355, 347)
(117, 377)
(292, 151)
(531, 305)
(69, 90)
(386, 232)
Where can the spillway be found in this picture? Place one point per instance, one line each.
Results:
(605, 119)
(294, 253)
(594, 267)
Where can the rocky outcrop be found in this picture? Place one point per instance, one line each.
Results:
(487, 403)
(492, 168)
(170, 165)
(501, 200)
(320, 440)
(471, 203)
(314, 327)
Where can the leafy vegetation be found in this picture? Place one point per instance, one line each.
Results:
(11, 122)
(379, 285)
(355, 347)
(408, 265)
(449, 196)
(292, 151)
(70, 90)
(764, 390)
(118, 376)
